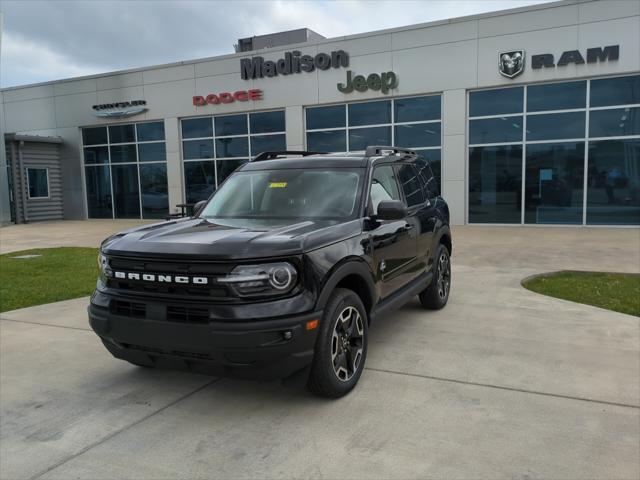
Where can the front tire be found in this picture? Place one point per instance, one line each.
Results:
(341, 346)
(436, 295)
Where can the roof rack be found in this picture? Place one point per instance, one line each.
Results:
(374, 150)
(276, 154)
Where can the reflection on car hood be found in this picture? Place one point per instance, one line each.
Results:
(224, 239)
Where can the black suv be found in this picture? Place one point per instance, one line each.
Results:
(281, 272)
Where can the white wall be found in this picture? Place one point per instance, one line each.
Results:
(447, 56)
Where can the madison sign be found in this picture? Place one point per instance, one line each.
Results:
(120, 109)
(292, 63)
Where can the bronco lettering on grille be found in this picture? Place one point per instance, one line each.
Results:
(152, 277)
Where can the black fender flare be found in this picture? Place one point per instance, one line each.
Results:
(443, 231)
(338, 273)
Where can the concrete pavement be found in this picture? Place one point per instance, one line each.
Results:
(502, 383)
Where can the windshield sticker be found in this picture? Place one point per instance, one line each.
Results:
(278, 185)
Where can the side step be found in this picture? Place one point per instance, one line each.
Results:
(403, 295)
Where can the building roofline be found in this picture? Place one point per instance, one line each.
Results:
(435, 23)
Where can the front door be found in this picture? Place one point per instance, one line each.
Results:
(393, 242)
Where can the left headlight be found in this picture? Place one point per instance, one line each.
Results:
(103, 267)
(267, 279)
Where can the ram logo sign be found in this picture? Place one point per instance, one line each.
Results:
(511, 64)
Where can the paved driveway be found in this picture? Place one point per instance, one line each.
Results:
(503, 383)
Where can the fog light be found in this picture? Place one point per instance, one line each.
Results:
(287, 335)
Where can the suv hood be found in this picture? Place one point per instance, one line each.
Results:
(215, 240)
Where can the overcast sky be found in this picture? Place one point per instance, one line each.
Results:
(49, 40)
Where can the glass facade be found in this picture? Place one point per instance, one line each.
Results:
(213, 147)
(576, 143)
(126, 171)
(413, 122)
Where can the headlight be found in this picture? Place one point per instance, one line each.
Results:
(270, 278)
(103, 267)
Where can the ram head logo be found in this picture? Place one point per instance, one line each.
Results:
(511, 64)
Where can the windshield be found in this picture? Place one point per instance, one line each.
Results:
(287, 194)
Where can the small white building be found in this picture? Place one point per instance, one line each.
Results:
(529, 116)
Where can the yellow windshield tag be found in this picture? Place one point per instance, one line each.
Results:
(278, 185)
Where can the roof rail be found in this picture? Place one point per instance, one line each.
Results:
(373, 150)
(276, 154)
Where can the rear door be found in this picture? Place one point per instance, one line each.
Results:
(393, 241)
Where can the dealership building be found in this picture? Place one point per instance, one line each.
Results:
(529, 116)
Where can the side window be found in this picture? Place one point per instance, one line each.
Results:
(383, 186)
(428, 178)
(410, 184)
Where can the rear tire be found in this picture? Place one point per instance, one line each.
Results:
(341, 346)
(436, 295)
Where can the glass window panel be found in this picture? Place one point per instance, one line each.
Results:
(148, 132)
(556, 96)
(361, 138)
(154, 192)
(410, 185)
(326, 117)
(126, 199)
(197, 128)
(555, 126)
(418, 135)
(94, 136)
(98, 185)
(331, 141)
(38, 181)
(615, 91)
(123, 153)
(613, 183)
(615, 122)
(554, 183)
(152, 152)
(232, 147)
(226, 168)
(496, 102)
(199, 180)
(231, 125)
(266, 143)
(434, 158)
(122, 133)
(417, 109)
(383, 186)
(267, 122)
(495, 130)
(369, 113)
(96, 154)
(495, 181)
(192, 149)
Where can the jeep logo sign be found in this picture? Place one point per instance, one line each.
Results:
(384, 82)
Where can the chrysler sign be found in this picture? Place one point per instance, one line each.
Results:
(119, 109)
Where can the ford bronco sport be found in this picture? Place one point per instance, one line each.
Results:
(282, 271)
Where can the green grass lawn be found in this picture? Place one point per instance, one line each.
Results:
(58, 274)
(619, 292)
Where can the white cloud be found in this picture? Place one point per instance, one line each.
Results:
(47, 40)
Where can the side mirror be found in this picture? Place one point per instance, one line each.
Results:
(197, 208)
(391, 210)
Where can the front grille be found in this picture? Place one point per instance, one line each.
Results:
(210, 270)
(187, 315)
(128, 309)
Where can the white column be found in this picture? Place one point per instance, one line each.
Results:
(295, 127)
(174, 163)
(454, 154)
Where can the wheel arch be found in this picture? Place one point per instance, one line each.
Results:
(354, 275)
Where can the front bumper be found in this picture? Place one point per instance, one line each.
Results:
(265, 349)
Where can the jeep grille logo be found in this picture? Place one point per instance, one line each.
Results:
(152, 277)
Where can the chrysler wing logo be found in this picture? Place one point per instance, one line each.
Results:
(120, 109)
(511, 64)
(152, 277)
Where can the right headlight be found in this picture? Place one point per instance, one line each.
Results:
(267, 279)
